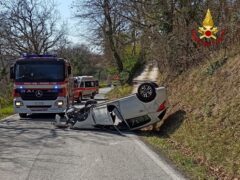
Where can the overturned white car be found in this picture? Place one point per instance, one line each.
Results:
(135, 111)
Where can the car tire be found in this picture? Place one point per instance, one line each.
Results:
(23, 115)
(146, 92)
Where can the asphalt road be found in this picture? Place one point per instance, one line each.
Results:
(34, 149)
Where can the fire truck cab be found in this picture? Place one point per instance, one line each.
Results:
(41, 84)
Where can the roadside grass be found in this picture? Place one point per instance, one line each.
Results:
(165, 147)
(103, 84)
(119, 92)
(201, 129)
(204, 140)
(6, 111)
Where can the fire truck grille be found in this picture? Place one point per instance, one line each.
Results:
(39, 95)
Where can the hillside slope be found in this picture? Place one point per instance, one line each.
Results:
(201, 132)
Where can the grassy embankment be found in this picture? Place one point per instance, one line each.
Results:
(201, 131)
(120, 91)
(6, 111)
(6, 107)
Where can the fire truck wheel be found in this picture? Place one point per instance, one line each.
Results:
(23, 115)
(61, 115)
(79, 100)
(92, 96)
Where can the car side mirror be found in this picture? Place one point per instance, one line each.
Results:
(12, 74)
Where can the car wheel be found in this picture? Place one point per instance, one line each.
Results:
(23, 115)
(146, 92)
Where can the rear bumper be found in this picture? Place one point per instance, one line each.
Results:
(155, 117)
(160, 116)
(48, 106)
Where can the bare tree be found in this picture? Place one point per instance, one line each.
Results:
(32, 26)
(106, 23)
(162, 29)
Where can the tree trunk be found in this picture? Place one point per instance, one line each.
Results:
(110, 37)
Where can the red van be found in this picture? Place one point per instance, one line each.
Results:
(85, 87)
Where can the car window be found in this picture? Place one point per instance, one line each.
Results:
(75, 83)
(138, 121)
(97, 83)
(82, 84)
(89, 84)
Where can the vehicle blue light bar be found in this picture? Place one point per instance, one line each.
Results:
(56, 87)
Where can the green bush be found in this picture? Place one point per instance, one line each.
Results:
(6, 111)
(5, 94)
(103, 84)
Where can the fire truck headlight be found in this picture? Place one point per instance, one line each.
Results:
(60, 103)
(18, 103)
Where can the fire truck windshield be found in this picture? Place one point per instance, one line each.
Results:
(39, 71)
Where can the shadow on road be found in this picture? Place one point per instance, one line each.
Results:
(21, 140)
(40, 117)
(35, 118)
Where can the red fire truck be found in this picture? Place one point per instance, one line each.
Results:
(41, 84)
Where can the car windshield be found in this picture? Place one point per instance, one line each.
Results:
(39, 71)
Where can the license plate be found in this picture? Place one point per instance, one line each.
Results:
(39, 103)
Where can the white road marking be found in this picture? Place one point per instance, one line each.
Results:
(157, 159)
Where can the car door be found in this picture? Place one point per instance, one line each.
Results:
(101, 115)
